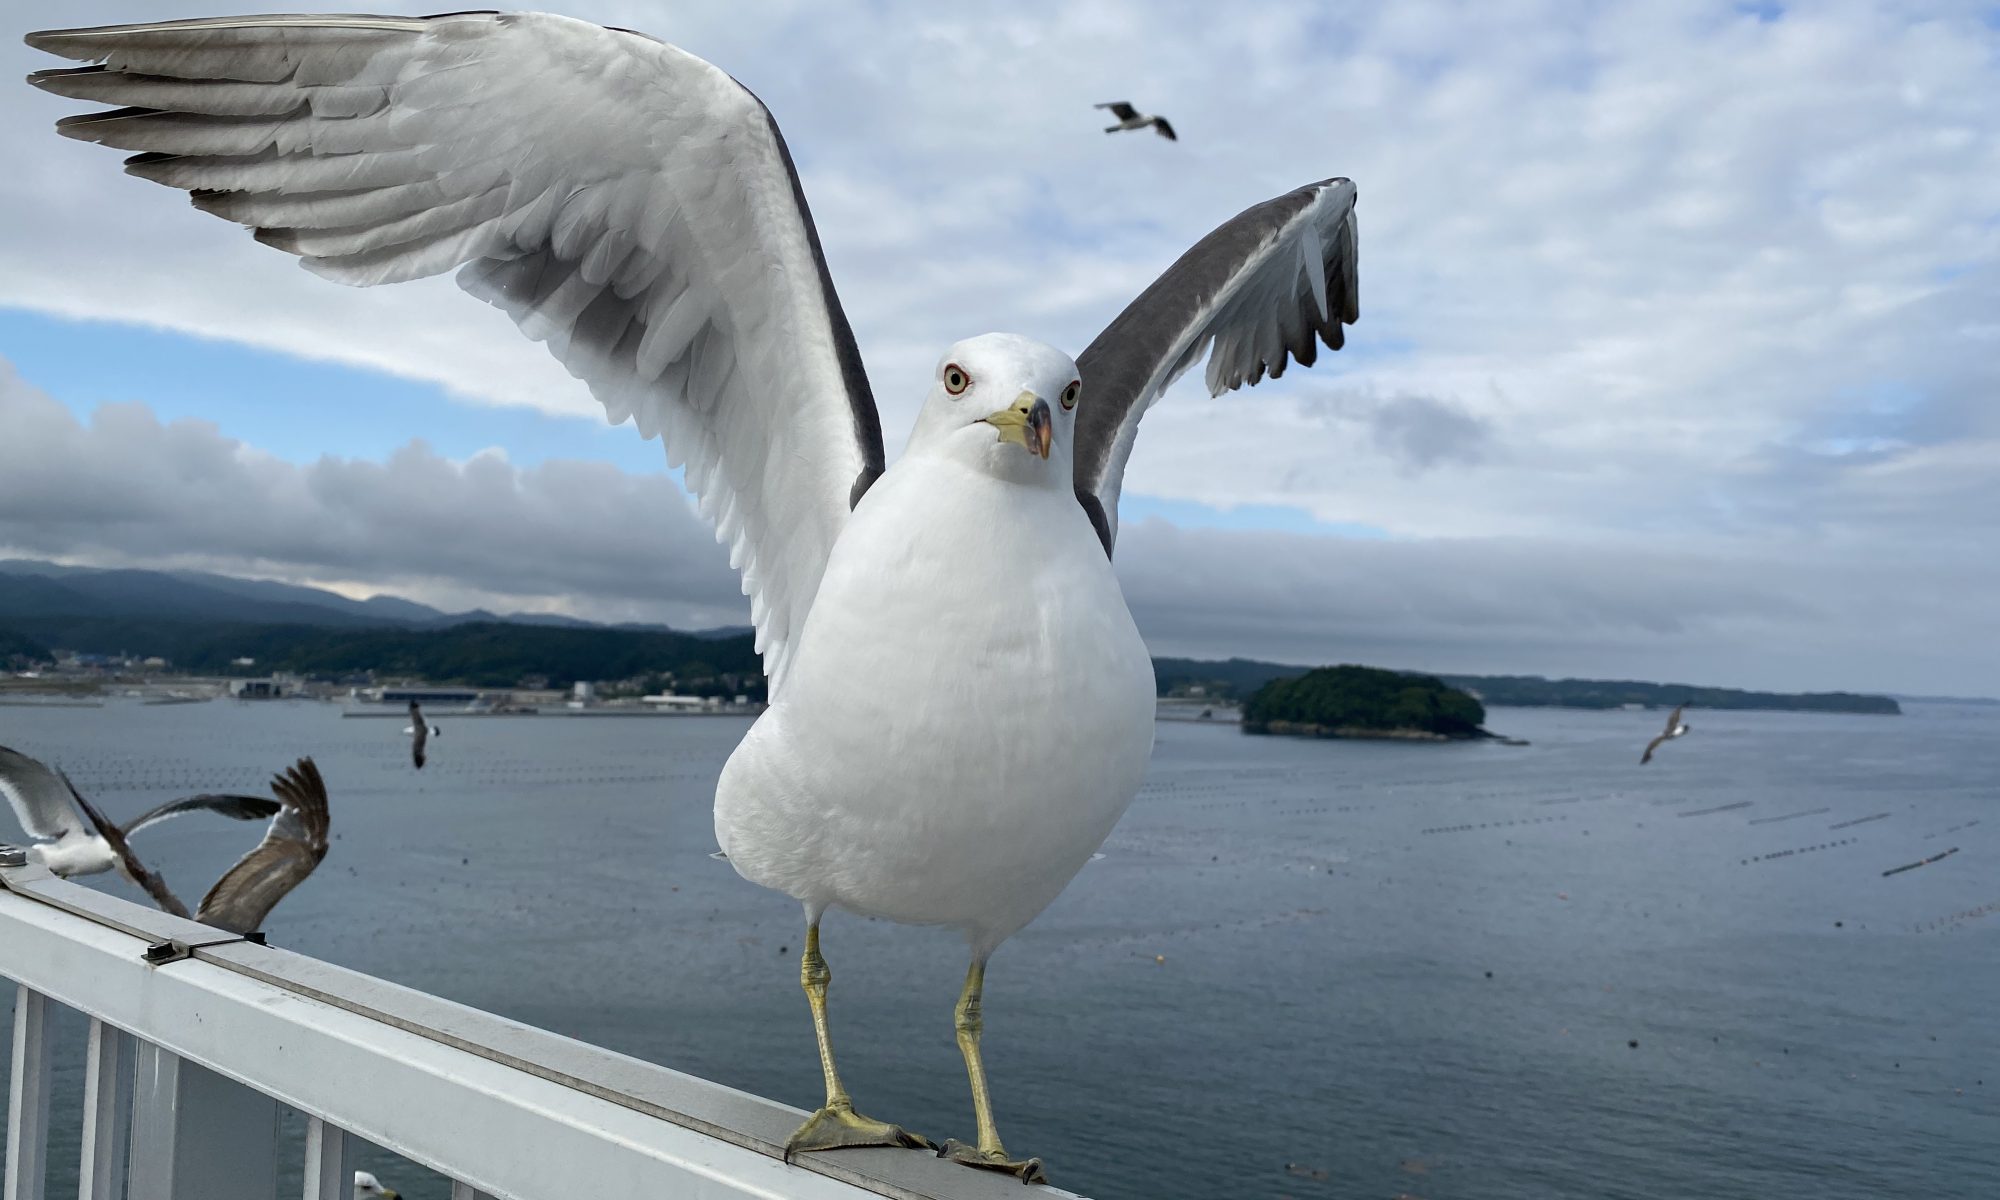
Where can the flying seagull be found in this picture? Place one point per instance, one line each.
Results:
(78, 840)
(420, 733)
(960, 705)
(1132, 118)
(294, 843)
(367, 1187)
(1674, 729)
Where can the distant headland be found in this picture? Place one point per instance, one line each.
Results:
(1239, 678)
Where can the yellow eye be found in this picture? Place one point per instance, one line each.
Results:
(1070, 394)
(955, 379)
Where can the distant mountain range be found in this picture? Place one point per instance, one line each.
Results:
(203, 622)
(43, 596)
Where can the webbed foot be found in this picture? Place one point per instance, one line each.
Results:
(1028, 1171)
(839, 1127)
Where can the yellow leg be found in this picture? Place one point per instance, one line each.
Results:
(836, 1125)
(989, 1153)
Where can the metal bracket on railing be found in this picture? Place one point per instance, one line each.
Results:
(173, 950)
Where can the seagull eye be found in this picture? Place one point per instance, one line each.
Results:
(1070, 394)
(955, 379)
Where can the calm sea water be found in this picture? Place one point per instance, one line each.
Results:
(1413, 968)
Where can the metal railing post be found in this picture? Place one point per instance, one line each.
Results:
(107, 1113)
(28, 1097)
(197, 1135)
(329, 1162)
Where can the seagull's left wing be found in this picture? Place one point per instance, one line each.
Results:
(293, 845)
(238, 808)
(1268, 285)
(624, 201)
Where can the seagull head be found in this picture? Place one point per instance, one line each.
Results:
(367, 1187)
(1005, 404)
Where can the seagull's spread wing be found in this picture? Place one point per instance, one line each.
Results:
(1650, 747)
(292, 846)
(128, 862)
(1122, 109)
(622, 200)
(239, 808)
(1674, 722)
(43, 800)
(1165, 130)
(1270, 283)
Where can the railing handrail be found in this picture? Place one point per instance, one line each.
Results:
(85, 949)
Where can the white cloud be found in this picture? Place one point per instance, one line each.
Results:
(1628, 271)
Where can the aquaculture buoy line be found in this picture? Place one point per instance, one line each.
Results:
(1798, 850)
(1703, 812)
(1859, 821)
(1811, 812)
(1920, 863)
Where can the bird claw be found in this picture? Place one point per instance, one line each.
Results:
(839, 1127)
(1027, 1171)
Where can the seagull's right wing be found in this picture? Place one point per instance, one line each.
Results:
(1267, 286)
(1122, 109)
(43, 800)
(1650, 747)
(622, 200)
(237, 808)
(293, 845)
(1674, 722)
(1163, 129)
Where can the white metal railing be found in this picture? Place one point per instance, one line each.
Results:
(188, 1060)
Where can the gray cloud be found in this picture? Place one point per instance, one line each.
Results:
(589, 539)
(563, 536)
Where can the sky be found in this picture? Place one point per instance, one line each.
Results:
(1676, 359)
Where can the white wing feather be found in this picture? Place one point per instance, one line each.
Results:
(625, 202)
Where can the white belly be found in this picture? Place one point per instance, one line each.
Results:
(968, 712)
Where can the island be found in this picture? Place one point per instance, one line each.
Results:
(1364, 702)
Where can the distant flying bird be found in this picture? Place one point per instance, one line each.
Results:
(961, 704)
(1674, 729)
(367, 1188)
(78, 840)
(293, 845)
(420, 733)
(1132, 118)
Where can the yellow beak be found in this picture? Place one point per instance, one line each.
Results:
(1027, 422)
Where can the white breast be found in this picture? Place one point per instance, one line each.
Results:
(969, 712)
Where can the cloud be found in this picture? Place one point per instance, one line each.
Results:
(125, 489)
(1647, 286)
(588, 539)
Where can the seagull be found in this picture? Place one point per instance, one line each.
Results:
(1132, 118)
(294, 843)
(367, 1187)
(420, 733)
(78, 840)
(1674, 729)
(961, 707)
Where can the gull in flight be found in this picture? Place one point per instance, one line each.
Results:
(420, 732)
(294, 843)
(76, 839)
(367, 1187)
(1674, 729)
(961, 707)
(1132, 118)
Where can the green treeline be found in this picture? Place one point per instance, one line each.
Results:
(1350, 699)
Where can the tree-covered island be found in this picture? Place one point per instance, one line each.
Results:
(1364, 702)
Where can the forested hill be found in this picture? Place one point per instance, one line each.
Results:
(1236, 678)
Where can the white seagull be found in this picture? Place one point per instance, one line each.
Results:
(961, 707)
(367, 1187)
(1674, 729)
(1132, 118)
(76, 839)
(420, 732)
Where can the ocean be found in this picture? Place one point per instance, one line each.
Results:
(1302, 968)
